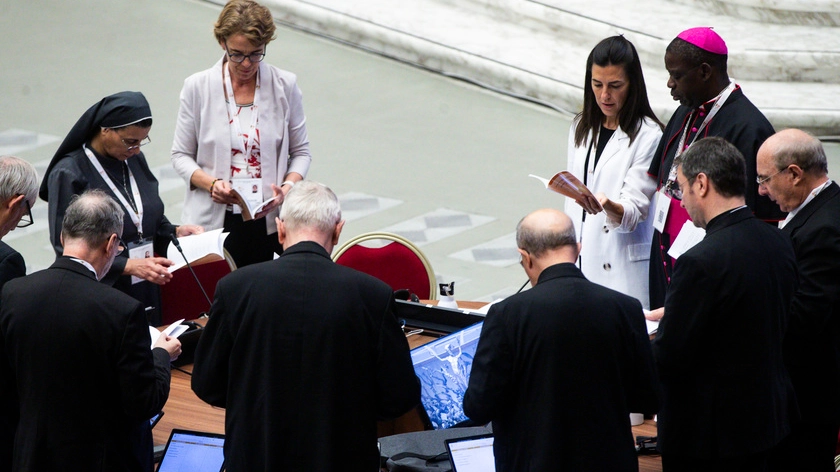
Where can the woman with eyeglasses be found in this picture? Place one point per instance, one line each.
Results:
(611, 144)
(241, 124)
(103, 151)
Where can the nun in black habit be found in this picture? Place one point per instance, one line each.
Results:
(102, 151)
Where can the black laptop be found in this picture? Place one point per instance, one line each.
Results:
(472, 453)
(195, 451)
(435, 318)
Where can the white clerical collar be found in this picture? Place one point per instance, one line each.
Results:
(810, 197)
(86, 264)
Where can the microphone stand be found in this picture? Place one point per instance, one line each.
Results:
(178, 247)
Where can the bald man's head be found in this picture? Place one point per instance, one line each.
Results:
(789, 165)
(545, 230)
(795, 147)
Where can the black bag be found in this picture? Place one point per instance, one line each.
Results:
(423, 451)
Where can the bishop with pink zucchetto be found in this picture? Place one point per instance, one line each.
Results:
(710, 105)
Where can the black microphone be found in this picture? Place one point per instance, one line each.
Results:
(523, 286)
(178, 247)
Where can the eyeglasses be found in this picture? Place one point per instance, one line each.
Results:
(674, 189)
(763, 180)
(25, 220)
(133, 144)
(121, 247)
(238, 57)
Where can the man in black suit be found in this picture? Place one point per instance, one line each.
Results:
(559, 368)
(793, 172)
(16, 200)
(727, 395)
(79, 355)
(18, 192)
(303, 353)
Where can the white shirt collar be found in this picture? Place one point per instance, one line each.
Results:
(810, 197)
(86, 264)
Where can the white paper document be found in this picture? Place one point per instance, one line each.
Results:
(174, 330)
(249, 196)
(484, 309)
(689, 236)
(652, 326)
(197, 248)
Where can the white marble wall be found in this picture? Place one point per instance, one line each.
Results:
(785, 12)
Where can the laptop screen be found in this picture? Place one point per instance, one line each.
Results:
(443, 367)
(154, 419)
(472, 454)
(435, 318)
(194, 451)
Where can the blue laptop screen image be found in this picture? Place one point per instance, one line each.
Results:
(443, 367)
(193, 451)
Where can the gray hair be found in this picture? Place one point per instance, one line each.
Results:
(17, 177)
(807, 154)
(537, 241)
(311, 205)
(92, 217)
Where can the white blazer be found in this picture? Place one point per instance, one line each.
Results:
(202, 138)
(616, 254)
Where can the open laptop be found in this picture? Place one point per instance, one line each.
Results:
(443, 367)
(195, 451)
(435, 318)
(472, 453)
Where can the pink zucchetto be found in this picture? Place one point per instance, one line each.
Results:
(704, 38)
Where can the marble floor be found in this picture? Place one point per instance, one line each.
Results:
(407, 150)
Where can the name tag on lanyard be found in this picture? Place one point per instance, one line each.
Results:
(250, 190)
(660, 215)
(663, 201)
(142, 249)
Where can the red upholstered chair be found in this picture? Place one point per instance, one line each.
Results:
(397, 262)
(182, 298)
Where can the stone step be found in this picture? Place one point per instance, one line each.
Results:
(783, 12)
(757, 51)
(537, 50)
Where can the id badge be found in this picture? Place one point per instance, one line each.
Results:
(251, 191)
(660, 215)
(140, 250)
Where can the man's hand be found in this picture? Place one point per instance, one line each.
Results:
(170, 344)
(655, 315)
